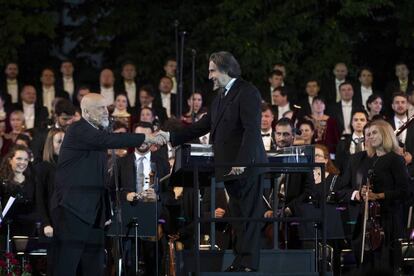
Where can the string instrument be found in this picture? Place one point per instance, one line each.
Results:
(372, 231)
(171, 252)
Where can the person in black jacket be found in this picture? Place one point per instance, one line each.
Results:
(389, 179)
(234, 126)
(78, 202)
(18, 182)
(45, 183)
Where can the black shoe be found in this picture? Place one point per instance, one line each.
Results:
(245, 269)
(231, 268)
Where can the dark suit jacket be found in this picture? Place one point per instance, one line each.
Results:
(81, 170)
(234, 128)
(58, 94)
(290, 91)
(41, 114)
(6, 95)
(342, 152)
(336, 112)
(328, 90)
(358, 96)
(127, 171)
(45, 183)
(60, 87)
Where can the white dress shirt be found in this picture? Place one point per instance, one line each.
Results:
(131, 91)
(365, 93)
(267, 139)
(108, 94)
(174, 89)
(13, 90)
(310, 100)
(346, 112)
(166, 102)
(398, 123)
(48, 97)
(69, 86)
(147, 167)
(337, 84)
(29, 115)
(282, 110)
(229, 85)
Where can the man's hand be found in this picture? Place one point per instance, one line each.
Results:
(159, 138)
(150, 194)
(130, 196)
(48, 230)
(219, 213)
(237, 170)
(268, 214)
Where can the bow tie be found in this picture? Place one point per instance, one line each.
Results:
(266, 135)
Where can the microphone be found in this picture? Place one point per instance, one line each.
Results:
(183, 33)
(193, 52)
(176, 23)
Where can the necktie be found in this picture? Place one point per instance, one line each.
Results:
(266, 135)
(140, 174)
(222, 94)
(358, 144)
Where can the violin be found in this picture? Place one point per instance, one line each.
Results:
(373, 233)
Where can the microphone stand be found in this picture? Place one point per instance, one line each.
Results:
(193, 63)
(177, 58)
(180, 78)
(118, 212)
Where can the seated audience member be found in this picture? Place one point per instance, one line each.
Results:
(23, 140)
(343, 109)
(62, 118)
(374, 106)
(4, 108)
(282, 104)
(5, 143)
(120, 112)
(351, 143)
(106, 85)
(168, 99)
(18, 182)
(17, 125)
(10, 84)
(48, 91)
(195, 108)
(307, 133)
(146, 114)
(146, 99)
(327, 132)
(82, 91)
(267, 127)
(35, 115)
(312, 90)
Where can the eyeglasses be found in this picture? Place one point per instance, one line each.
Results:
(319, 156)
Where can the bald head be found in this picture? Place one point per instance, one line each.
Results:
(94, 109)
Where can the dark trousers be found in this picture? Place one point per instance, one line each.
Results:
(78, 248)
(246, 202)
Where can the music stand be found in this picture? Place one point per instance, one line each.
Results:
(139, 219)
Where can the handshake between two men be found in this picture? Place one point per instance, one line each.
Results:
(159, 138)
(162, 137)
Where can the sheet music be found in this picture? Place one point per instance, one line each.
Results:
(7, 208)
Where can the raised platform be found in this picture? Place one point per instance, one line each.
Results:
(272, 262)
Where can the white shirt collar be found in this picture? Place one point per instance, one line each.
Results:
(346, 103)
(229, 85)
(146, 156)
(25, 105)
